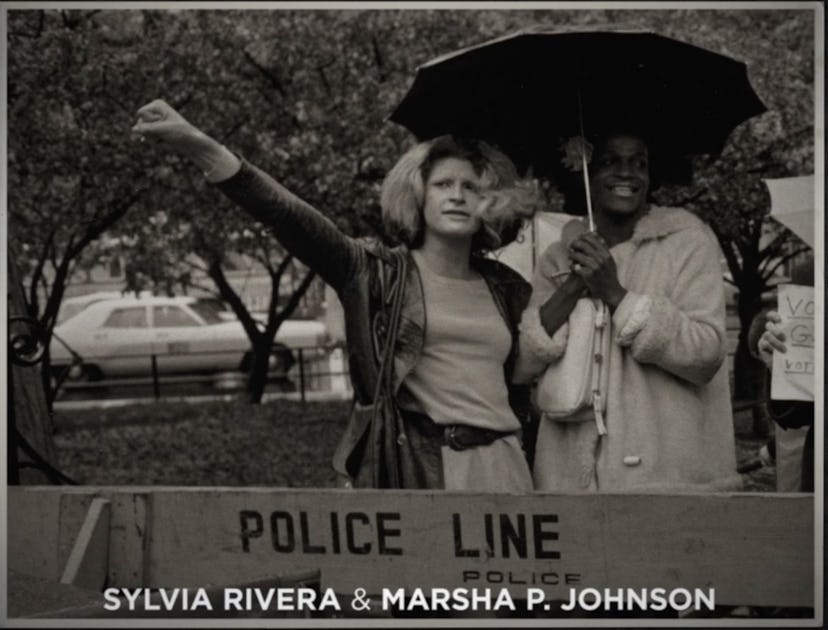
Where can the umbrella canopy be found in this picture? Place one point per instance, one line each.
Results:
(792, 204)
(521, 92)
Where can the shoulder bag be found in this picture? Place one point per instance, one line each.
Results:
(573, 388)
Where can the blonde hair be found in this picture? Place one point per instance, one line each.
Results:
(507, 199)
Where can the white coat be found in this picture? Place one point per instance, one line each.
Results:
(669, 420)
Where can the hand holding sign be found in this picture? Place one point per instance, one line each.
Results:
(792, 375)
(772, 340)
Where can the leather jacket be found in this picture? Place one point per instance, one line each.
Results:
(367, 276)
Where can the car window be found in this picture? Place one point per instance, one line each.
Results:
(209, 310)
(72, 306)
(172, 316)
(67, 311)
(133, 317)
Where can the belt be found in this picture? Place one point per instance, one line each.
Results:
(458, 437)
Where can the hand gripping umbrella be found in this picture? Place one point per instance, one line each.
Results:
(528, 91)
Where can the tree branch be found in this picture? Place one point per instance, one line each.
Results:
(55, 296)
(273, 319)
(775, 245)
(768, 274)
(193, 265)
(229, 295)
(101, 225)
(37, 274)
(747, 242)
(375, 47)
(47, 289)
(260, 253)
(297, 295)
(730, 255)
(320, 70)
(53, 254)
(233, 129)
(282, 267)
(274, 81)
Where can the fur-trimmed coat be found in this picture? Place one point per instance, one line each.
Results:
(668, 417)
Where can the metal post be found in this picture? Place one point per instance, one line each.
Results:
(302, 374)
(156, 388)
(13, 470)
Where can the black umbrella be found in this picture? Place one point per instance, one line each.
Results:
(527, 91)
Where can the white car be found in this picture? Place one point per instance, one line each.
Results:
(71, 306)
(118, 336)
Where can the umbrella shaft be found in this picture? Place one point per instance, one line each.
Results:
(585, 170)
(584, 167)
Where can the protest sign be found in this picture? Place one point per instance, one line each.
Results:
(793, 371)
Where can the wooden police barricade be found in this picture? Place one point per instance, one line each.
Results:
(751, 549)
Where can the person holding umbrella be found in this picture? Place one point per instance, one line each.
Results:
(640, 100)
(431, 324)
(667, 423)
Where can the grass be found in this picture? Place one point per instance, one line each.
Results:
(282, 443)
(208, 444)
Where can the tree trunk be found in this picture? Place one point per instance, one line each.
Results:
(751, 375)
(257, 378)
(28, 410)
(749, 372)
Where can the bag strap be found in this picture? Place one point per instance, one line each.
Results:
(392, 297)
(598, 358)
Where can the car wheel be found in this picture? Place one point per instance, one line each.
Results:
(84, 372)
(281, 360)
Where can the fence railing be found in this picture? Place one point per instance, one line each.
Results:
(313, 369)
(306, 374)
